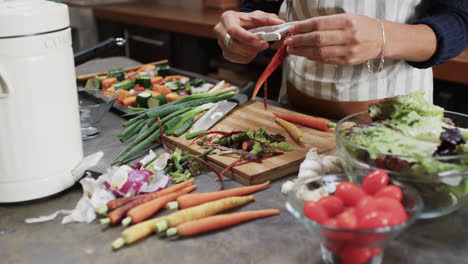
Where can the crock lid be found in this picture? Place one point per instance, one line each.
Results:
(29, 17)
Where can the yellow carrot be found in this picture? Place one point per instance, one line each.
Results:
(292, 130)
(201, 211)
(136, 232)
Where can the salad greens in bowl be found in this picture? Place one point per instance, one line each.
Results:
(416, 142)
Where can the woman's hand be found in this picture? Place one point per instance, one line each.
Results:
(243, 45)
(343, 39)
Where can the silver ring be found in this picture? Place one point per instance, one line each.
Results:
(227, 38)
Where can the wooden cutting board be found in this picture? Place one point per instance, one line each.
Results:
(252, 115)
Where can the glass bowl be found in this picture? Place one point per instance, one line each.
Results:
(337, 242)
(93, 105)
(442, 192)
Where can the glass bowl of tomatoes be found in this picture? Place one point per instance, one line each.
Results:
(364, 144)
(354, 223)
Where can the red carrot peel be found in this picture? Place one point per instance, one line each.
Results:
(145, 210)
(215, 222)
(194, 199)
(235, 163)
(308, 121)
(275, 62)
(118, 214)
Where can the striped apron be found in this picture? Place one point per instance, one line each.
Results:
(353, 83)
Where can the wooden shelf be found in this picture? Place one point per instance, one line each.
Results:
(174, 18)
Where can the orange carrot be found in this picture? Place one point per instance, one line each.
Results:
(145, 210)
(308, 121)
(106, 83)
(116, 215)
(176, 77)
(156, 79)
(161, 89)
(122, 94)
(153, 93)
(171, 97)
(214, 222)
(276, 61)
(129, 101)
(193, 199)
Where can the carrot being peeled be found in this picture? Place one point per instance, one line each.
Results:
(193, 199)
(308, 121)
(215, 222)
(292, 130)
(145, 210)
(275, 62)
(202, 210)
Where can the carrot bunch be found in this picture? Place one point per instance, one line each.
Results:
(197, 215)
(127, 204)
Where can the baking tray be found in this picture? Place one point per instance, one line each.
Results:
(173, 71)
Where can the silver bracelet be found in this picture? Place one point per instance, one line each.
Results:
(370, 63)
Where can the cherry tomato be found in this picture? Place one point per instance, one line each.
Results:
(347, 219)
(349, 193)
(395, 208)
(332, 204)
(355, 255)
(366, 205)
(334, 239)
(315, 212)
(375, 219)
(391, 191)
(374, 181)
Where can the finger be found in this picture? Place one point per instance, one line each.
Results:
(244, 48)
(259, 19)
(234, 57)
(319, 53)
(232, 26)
(331, 22)
(317, 39)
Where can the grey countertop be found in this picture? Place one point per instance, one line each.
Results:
(279, 239)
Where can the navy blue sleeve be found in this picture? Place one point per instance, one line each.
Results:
(269, 7)
(449, 20)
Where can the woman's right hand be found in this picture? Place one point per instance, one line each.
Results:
(243, 45)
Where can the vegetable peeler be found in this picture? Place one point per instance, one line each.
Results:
(272, 33)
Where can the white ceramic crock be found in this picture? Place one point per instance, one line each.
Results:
(40, 141)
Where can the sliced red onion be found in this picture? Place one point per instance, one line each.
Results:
(172, 85)
(201, 89)
(131, 74)
(160, 181)
(150, 71)
(183, 80)
(183, 93)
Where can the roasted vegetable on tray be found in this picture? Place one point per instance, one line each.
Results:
(150, 86)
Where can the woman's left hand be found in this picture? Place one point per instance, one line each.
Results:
(342, 39)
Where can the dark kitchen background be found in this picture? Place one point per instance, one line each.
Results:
(186, 47)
